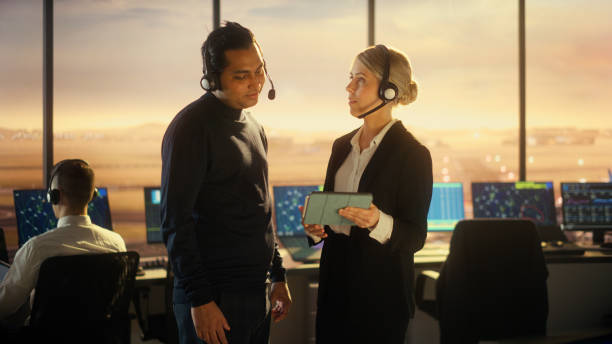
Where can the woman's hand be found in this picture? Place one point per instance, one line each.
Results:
(313, 230)
(364, 218)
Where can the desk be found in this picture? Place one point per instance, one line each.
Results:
(151, 277)
(149, 301)
(299, 326)
(578, 292)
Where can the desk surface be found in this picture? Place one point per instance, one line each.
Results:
(425, 262)
(157, 276)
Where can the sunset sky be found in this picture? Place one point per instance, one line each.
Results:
(125, 63)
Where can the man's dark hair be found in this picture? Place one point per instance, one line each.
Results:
(76, 180)
(230, 36)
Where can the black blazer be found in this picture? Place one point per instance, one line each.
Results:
(365, 287)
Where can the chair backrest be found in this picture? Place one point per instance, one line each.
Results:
(3, 249)
(493, 283)
(85, 295)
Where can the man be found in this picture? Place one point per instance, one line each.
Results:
(70, 190)
(215, 208)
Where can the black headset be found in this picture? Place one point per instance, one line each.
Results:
(53, 195)
(387, 91)
(211, 79)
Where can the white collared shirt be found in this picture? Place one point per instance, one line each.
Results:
(349, 175)
(73, 235)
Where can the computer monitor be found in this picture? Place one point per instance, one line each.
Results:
(152, 197)
(587, 207)
(286, 202)
(446, 207)
(525, 200)
(35, 215)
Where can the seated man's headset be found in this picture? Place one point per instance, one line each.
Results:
(211, 79)
(387, 91)
(53, 195)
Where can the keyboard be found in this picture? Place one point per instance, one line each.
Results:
(562, 248)
(158, 262)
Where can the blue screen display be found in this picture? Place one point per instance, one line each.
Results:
(446, 208)
(286, 202)
(524, 200)
(35, 215)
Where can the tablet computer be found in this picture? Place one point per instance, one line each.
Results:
(321, 208)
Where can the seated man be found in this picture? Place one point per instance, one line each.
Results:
(70, 190)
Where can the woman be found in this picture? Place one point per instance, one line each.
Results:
(367, 271)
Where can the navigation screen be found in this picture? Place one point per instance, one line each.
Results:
(35, 215)
(286, 202)
(524, 200)
(587, 205)
(446, 208)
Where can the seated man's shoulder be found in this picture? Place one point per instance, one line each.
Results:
(113, 238)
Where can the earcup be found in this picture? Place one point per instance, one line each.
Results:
(206, 84)
(388, 92)
(53, 196)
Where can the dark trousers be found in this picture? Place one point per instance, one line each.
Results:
(247, 313)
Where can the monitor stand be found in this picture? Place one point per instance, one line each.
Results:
(599, 237)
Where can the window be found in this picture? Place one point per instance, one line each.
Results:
(122, 71)
(20, 105)
(465, 61)
(569, 81)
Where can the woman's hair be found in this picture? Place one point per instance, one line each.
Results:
(400, 72)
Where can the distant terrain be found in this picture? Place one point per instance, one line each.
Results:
(127, 159)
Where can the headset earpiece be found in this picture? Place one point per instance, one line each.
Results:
(209, 81)
(53, 196)
(387, 91)
(206, 84)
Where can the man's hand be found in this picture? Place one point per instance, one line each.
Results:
(280, 299)
(209, 323)
(364, 218)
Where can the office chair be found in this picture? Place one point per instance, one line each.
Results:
(84, 298)
(492, 285)
(3, 249)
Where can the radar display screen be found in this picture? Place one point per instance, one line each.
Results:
(524, 200)
(35, 215)
(286, 202)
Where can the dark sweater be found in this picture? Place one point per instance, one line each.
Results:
(215, 206)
